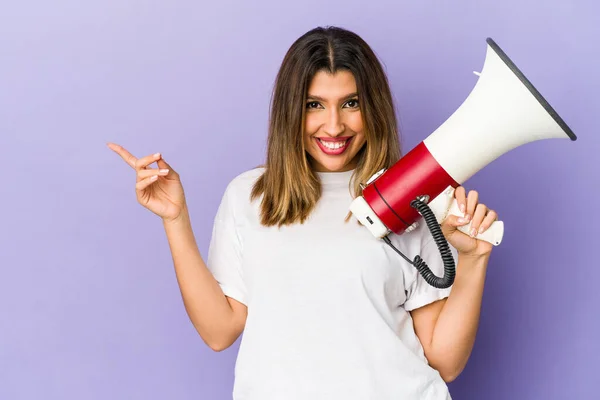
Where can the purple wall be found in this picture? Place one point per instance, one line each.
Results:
(89, 304)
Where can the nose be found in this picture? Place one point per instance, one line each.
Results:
(333, 125)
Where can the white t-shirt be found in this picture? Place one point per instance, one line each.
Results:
(327, 302)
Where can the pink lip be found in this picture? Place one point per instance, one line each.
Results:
(333, 152)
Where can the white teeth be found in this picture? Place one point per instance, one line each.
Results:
(333, 145)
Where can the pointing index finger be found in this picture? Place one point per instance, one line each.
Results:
(125, 155)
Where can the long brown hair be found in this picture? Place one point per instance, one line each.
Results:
(290, 187)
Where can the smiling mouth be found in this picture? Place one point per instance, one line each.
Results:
(333, 146)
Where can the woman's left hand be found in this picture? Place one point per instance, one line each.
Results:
(480, 217)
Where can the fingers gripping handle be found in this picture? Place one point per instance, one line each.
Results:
(493, 234)
(446, 204)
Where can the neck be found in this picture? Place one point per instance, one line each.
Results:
(335, 178)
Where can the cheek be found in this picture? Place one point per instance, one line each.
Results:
(354, 122)
(311, 124)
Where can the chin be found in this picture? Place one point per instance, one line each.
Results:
(322, 163)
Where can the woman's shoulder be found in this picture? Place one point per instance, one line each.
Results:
(240, 186)
(246, 178)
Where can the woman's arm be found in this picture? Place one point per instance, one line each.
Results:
(218, 319)
(447, 328)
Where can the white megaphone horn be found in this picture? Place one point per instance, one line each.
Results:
(503, 111)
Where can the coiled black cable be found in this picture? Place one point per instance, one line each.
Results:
(449, 266)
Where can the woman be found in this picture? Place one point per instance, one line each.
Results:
(327, 310)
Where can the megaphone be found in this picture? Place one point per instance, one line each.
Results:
(503, 111)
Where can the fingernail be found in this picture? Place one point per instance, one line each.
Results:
(164, 171)
(461, 220)
(473, 232)
(156, 155)
(462, 208)
(481, 229)
(154, 177)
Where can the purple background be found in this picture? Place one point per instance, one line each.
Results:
(89, 304)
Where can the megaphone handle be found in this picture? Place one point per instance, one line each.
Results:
(493, 234)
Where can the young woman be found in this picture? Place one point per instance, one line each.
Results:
(328, 311)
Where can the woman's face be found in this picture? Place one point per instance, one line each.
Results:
(333, 129)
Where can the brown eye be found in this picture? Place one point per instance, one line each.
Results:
(352, 103)
(312, 104)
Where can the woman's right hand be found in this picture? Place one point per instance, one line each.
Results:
(158, 189)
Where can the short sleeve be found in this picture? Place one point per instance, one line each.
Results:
(225, 250)
(419, 292)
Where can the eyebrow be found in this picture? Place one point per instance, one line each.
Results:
(322, 99)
